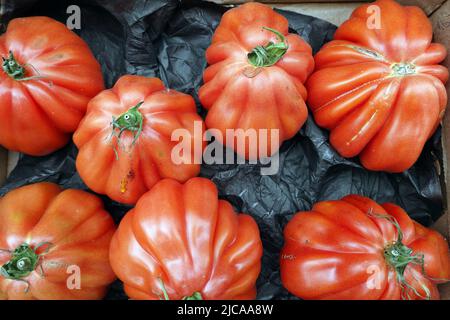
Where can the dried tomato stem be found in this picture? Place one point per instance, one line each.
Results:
(402, 69)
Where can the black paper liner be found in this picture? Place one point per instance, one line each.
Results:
(168, 39)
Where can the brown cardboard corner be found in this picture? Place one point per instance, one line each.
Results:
(441, 27)
(429, 6)
(335, 13)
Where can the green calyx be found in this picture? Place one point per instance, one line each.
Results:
(398, 256)
(24, 260)
(398, 69)
(271, 53)
(131, 120)
(17, 71)
(195, 296)
(12, 68)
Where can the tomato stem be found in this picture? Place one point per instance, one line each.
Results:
(402, 69)
(271, 53)
(131, 120)
(398, 256)
(17, 71)
(195, 296)
(24, 260)
(163, 289)
(12, 68)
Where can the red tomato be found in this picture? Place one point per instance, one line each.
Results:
(255, 79)
(181, 242)
(379, 89)
(47, 78)
(54, 244)
(356, 249)
(125, 143)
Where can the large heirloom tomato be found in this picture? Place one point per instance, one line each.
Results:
(255, 80)
(354, 248)
(181, 242)
(378, 87)
(125, 141)
(47, 78)
(54, 244)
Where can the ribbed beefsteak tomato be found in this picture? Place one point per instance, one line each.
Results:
(354, 248)
(378, 87)
(181, 242)
(255, 80)
(54, 244)
(125, 141)
(47, 78)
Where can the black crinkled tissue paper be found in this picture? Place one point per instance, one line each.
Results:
(168, 39)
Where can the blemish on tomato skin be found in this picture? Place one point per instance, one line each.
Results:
(288, 257)
(39, 43)
(123, 185)
(124, 182)
(130, 175)
(56, 57)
